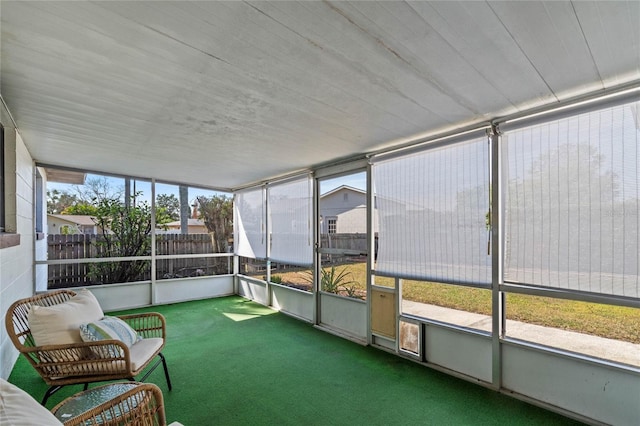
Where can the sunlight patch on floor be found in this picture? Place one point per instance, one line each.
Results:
(237, 317)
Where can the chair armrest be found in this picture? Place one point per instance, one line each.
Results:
(149, 324)
(80, 359)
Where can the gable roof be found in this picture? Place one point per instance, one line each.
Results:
(342, 188)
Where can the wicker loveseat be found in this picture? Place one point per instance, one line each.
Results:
(83, 362)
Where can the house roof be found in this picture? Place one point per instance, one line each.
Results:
(226, 94)
(192, 222)
(341, 188)
(76, 219)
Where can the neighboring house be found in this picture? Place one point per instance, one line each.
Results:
(71, 224)
(343, 210)
(195, 226)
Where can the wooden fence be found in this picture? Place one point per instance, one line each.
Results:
(79, 246)
(345, 241)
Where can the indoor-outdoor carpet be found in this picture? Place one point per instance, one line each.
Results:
(235, 362)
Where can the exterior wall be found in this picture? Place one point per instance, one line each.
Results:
(197, 229)
(353, 221)
(195, 226)
(54, 224)
(350, 212)
(336, 204)
(76, 224)
(16, 262)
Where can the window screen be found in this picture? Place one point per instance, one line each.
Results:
(571, 206)
(249, 226)
(290, 207)
(432, 209)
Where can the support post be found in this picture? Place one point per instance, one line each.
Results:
(497, 302)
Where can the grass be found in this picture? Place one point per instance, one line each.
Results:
(613, 322)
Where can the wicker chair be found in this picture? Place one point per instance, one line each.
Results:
(87, 362)
(142, 405)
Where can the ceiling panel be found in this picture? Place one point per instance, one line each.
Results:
(224, 94)
(550, 35)
(615, 49)
(490, 49)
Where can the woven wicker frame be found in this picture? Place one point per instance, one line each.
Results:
(140, 406)
(87, 362)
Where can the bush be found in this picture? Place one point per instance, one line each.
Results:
(126, 232)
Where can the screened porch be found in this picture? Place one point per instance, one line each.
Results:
(445, 183)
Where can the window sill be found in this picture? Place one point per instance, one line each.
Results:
(8, 239)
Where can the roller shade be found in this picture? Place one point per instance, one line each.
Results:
(432, 208)
(249, 227)
(571, 205)
(290, 218)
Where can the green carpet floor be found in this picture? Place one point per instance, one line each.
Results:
(234, 362)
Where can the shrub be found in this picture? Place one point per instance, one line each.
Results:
(125, 233)
(337, 282)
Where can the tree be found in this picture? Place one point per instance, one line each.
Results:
(125, 233)
(58, 201)
(167, 208)
(562, 214)
(217, 214)
(85, 198)
(98, 189)
(81, 208)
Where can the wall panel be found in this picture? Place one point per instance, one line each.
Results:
(599, 392)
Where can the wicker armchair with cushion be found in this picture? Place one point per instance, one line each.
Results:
(68, 340)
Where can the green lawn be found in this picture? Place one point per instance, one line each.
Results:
(614, 322)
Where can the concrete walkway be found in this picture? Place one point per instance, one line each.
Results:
(600, 347)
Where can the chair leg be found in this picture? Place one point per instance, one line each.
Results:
(154, 366)
(166, 370)
(50, 391)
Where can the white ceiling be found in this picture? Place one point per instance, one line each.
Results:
(228, 93)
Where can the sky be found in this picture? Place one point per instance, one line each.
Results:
(357, 180)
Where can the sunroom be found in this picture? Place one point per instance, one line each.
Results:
(455, 183)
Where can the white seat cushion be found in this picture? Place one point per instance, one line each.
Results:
(143, 350)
